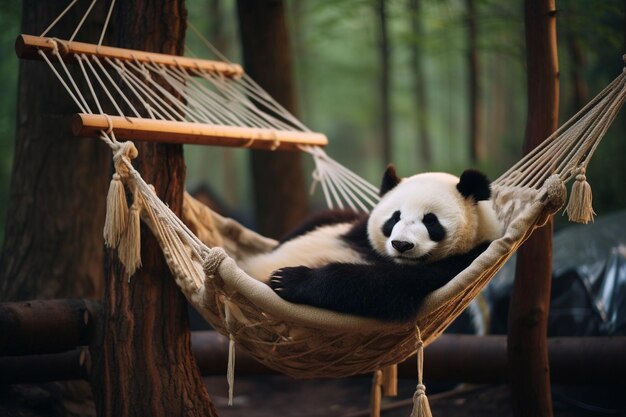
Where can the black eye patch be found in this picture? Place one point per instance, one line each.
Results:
(390, 223)
(435, 230)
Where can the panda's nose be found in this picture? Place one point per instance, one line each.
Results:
(402, 246)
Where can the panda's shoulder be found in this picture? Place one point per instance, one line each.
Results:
(324, 218)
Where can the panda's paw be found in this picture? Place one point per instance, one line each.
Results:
(289, 283)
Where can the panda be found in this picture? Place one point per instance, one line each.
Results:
(424, 231)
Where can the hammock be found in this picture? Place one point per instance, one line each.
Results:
(307, 342)
(209, 100)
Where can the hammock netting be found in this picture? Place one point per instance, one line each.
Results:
(203, 248)
(304, 341)
(301, 341)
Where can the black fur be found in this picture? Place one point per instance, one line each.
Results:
(474, 184)
(385, 291)
(436, 231)
(358, 240)
(323, 218)
(390, 223)
(390, 180)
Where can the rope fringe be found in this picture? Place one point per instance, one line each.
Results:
(230, 373)
(580, 209)
(421, 406)
(117, 212)
(129, 250)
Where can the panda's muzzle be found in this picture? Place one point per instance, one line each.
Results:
(401, 245)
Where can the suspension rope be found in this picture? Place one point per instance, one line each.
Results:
(106, 22)
(54, 22)
(80, 24)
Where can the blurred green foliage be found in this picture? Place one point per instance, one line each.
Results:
(10, 12)
(337, 65)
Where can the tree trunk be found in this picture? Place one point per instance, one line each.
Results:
(229, 166)
(476, 151)
(385, 83)
(577, 66)
(143, 365)
(419, 79)
(530, 300)
(53, 241)
(278, 177)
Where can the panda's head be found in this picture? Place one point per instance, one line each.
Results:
(431, 216)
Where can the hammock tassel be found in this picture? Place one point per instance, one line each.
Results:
(579, 209)
(117, 212)
(230, 373)
(129, 250)
(421, 406)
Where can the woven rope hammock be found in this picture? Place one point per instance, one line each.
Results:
(306, 342)
(198, 101)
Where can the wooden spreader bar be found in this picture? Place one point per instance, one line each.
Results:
(151, 130)
(27, 47)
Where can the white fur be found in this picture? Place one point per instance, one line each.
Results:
(314, 249)
(467, 224)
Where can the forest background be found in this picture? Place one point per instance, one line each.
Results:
(428, 85)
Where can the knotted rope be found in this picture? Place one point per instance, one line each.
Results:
(421, 407)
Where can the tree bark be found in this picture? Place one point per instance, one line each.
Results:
(278, 177)
(475, 113)
(385, 83)
(53, 241)
(421, 101)
(530, 300)
(143, 365)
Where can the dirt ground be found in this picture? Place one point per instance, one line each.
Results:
(265, 396)
(281, 396)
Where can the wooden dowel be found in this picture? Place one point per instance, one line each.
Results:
(151, 130)
(27, 47)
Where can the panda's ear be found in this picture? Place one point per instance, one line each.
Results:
(474, 184)
(390, 180)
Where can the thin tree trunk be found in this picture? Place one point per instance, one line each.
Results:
(385, 83)
(278, 177)
(577, 66)
(143, 364)
(530, 300)
(298, 14)
(419, 78)
(53, 240)
(476, 151)
(229, 168)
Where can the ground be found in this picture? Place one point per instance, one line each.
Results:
(270, 396)
(281, 396)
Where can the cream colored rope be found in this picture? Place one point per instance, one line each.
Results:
(572, 145)
(59, 17)
(106, 22)
(301, 340)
